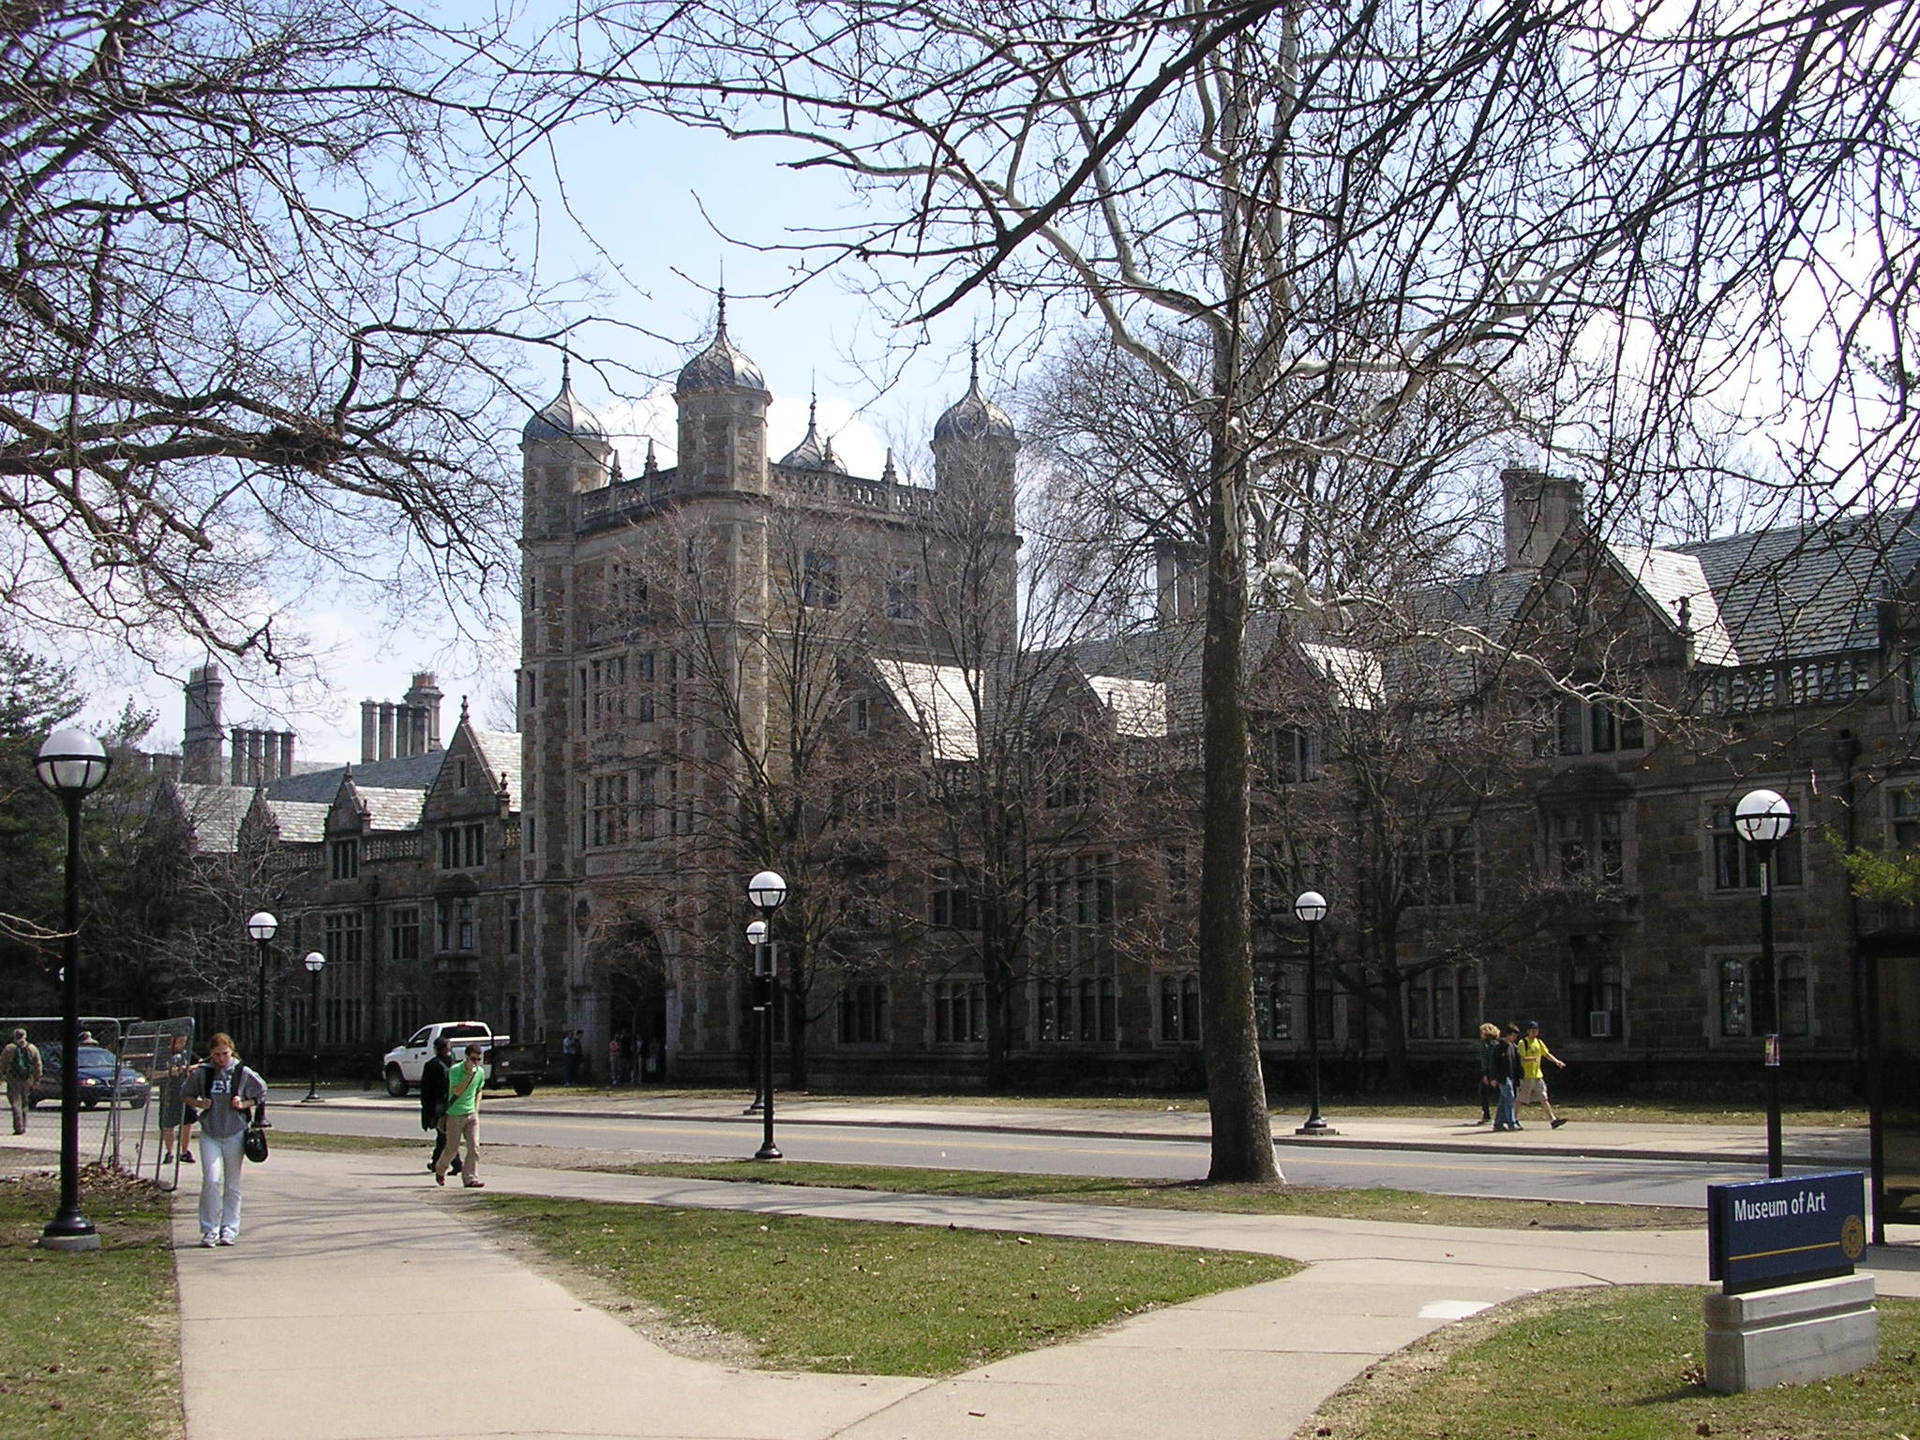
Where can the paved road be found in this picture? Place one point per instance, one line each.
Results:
(1562, 1175)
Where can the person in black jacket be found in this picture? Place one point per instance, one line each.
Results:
(1489, 1069)
(1507, 1071)
(433, 1100)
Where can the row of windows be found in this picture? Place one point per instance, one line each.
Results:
(1597, 727)
(463, 847)
(1444, 1003)
(623, 805)
(821, 589)
(607, 702)
(343, 934)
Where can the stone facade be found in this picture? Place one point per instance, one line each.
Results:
(403, 871)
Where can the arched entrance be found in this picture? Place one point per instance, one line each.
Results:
(631, 972)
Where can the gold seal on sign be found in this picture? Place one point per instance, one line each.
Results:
(1853, 1238)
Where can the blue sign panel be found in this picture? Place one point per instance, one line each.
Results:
(1766, 1233)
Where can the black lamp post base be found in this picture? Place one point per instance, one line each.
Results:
(69, 1232)
(1316, 1126)
(768, 1151)
(313, 1099)
(755, 1108)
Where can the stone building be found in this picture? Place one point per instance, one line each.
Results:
(676, 624)
(1515, 789)
(1571, 727)
(402, 870)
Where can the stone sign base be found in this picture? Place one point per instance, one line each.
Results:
(1791, 1334)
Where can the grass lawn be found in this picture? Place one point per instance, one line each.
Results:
(1390, 1205)
(1615, 1364)
(92, 1345)
(866, 1298)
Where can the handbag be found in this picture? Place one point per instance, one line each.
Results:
(254, 1143)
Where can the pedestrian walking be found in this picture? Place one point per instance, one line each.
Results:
(570, 1057)
(226, 1093)
(1533, 1082)
(1507, 1073)
(1489, 1077)
(176, 1120)
(462, 1122)
(433, 1099)
(20, 1063)
(613, 1061)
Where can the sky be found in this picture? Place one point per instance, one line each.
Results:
(649, 208)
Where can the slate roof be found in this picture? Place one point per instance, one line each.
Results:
(1355, 675)
(500, 751)
(217, 812)
(300, 821)
(391, 809)
(1808, 590)
(403, 772)
(1139, 707)
(937, 699)
(1677, 585)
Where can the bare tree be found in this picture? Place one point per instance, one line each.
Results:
(1332, 210)
(257, 295)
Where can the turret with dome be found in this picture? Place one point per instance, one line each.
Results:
(563, 417)
(973, 417)
(722, 402)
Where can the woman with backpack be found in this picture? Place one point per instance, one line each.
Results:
(226, 1093)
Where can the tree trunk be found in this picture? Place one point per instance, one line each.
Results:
(1236, 1088)
(997, 978)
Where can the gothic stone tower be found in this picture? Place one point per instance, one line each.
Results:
(643, 596)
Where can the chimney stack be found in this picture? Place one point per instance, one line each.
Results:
(424, 695)
(1180, 580)
(1538, 511)
(200, 738)
(369, 732)
(386, 730)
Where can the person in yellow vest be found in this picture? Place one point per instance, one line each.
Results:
(1533, 1084)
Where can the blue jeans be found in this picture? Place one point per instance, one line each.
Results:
(1505, 1116)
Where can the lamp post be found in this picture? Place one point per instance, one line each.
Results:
(315, 963)
(1764, 819)
(767, 892)
(261, 926)
(762, 1003)
(1310, 908)
(72, 764)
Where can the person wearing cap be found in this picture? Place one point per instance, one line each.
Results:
(1533, 1083)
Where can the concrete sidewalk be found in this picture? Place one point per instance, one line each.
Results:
(362, 1301)
(1838, 1146)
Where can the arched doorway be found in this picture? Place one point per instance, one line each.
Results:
(632, 975)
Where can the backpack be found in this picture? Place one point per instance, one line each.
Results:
(21, 1065)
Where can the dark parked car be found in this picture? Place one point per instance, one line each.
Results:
(96, 1078)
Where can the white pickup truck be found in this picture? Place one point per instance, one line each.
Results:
(516, 1065)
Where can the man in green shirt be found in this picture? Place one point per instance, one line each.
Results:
(463, 1119)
